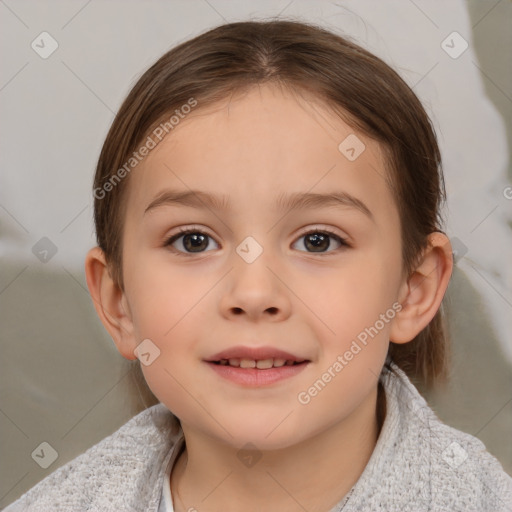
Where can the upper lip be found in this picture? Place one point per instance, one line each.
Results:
(254, 354)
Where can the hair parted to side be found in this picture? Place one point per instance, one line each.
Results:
(363, 90)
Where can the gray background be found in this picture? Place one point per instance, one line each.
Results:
(61, 380)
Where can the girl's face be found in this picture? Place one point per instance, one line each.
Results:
(313, 280)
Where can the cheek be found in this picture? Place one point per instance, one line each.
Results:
(175, 387)
(167, 303)
(163, 294)
(354, 297)
(167, 313)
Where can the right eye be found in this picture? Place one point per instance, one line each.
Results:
(189, 241)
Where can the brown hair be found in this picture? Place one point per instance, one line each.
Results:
(362, 89)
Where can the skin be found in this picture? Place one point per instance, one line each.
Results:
(254, 147)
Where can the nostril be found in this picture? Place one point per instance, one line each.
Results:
(272, 310)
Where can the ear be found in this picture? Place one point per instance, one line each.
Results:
(110, 303)
(421, 294)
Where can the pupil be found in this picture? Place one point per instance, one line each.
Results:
(317, 241)
(195, 239)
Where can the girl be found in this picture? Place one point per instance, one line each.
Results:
(267, 208)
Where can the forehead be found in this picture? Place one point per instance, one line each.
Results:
(256, 146)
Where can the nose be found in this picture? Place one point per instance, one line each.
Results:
(255, 291)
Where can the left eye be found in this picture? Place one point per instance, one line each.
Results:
(320, 241)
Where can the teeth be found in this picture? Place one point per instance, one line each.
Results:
(247, 363)
(262, 364)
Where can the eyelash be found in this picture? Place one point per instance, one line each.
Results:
(182, 232)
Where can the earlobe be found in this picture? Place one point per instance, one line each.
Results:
(110, 303)
(424, 290)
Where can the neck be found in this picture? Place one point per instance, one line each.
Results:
(313, 475)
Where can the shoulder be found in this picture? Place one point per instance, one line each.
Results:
(122, 469)
(461, 473)
(465, 476)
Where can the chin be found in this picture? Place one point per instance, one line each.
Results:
(271, 433)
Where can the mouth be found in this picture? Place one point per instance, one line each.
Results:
(256, 367)
(262, 358)
(260, 364)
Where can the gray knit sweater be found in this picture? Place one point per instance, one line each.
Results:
(418, 464)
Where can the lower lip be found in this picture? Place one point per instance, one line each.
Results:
(253, 377)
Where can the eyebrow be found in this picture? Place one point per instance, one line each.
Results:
(289, 202)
